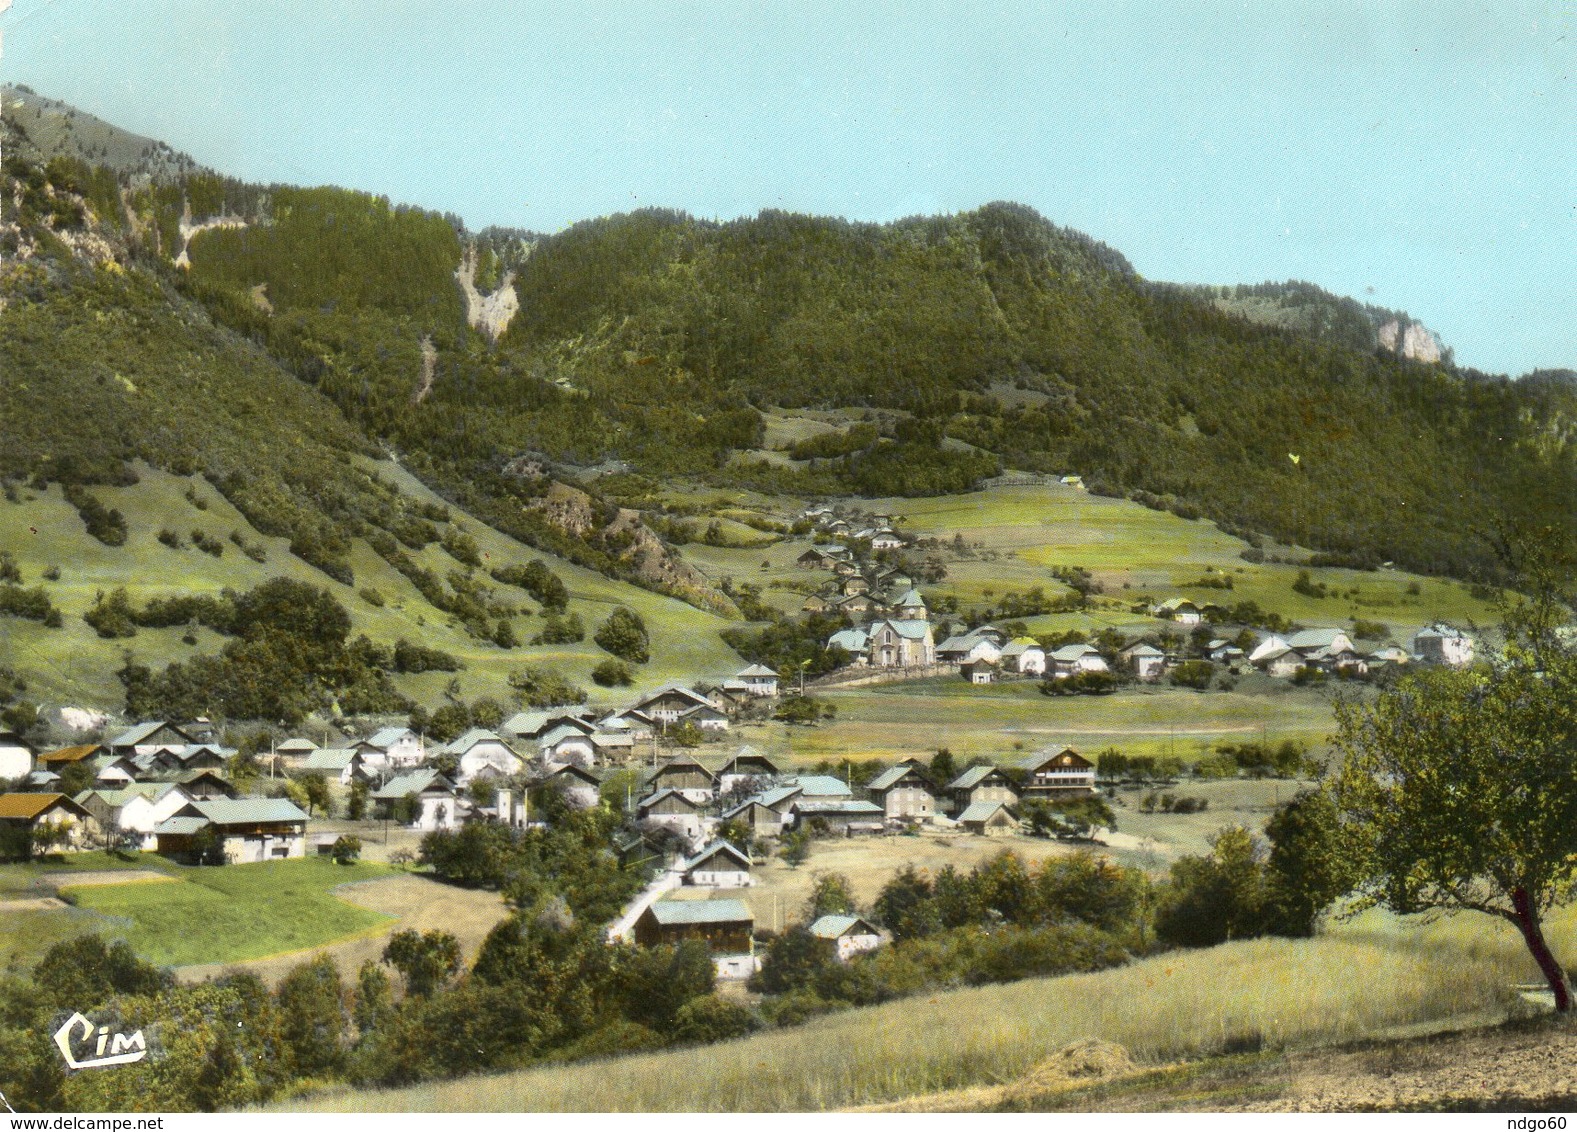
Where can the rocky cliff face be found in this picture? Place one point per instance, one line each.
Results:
(621, 531)
(491, 314)
(1411, 340)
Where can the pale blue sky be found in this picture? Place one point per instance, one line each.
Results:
(1417, 155)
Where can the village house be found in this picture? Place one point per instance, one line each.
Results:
(1057, 773)
(482, 754)
(904, 793)
(851, 935)
(339, 764)
(978, 671)
(705, 717)
(815, 603)
(855, 642)
(747, 763)
(1389, 654)
(1147, 662)
(1280, 663)
(1443, 644)
(246, 830)
(22, 816)
(719, 865)
(397, 748)
(885, 539)
(202, 785)
(725, 926)
(292, 753)
(1180, 610)
(112, 771)
(980, 784)
(894, 578)
(614, 746)
(1075, 660)
(686, 774)
(567, 745)
(839, 815)
(761, 820)
(1320, 640)
(780, 800)
(203, 756)
(759, 679)
(579, 787)
(667, 704)
(984, 643)
(819, 786)
(1224, 652)
(88, 753)
(41, 780)
(675, 810)
(855, 584)
(149, 738)
(135, 809)
(989, 818)
(434, 800)
(16, 756)
(635, 724)
(904, 643)
(1266, 644)
(1023, 656)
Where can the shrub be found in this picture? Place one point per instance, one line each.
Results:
(539, 687)
(112, 615)
(612, 674)
(170, 539)
(1194, 674)
(104, 524)
(30, 605)
(708, 1019)
(413, 658)
(624, 635)
(372, 597)
(561, 631)
(346, 850)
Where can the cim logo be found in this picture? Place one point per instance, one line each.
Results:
(117, 1049)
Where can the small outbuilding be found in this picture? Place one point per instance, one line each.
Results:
(852, 935)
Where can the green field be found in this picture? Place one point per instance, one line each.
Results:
(235, 912)
(1016, 535)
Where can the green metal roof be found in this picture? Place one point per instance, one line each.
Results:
(671, 912)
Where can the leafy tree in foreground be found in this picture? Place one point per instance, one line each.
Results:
(425, 959)
(1459, 788)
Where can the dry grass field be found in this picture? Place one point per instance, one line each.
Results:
(1280, 994)
(405, 901)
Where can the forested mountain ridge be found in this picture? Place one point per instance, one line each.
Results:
(985, 339)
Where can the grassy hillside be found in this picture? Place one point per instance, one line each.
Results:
(73, 665)
(1188, 1004)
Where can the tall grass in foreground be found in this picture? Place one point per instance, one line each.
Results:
(1365, 979)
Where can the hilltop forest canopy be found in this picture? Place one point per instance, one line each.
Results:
(656, 339)
(973, 342)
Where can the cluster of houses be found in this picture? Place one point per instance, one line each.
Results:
(158, 786)
(696, 797)
(903, 638)
(1327, 650)
(699, 799)
(877, 533)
